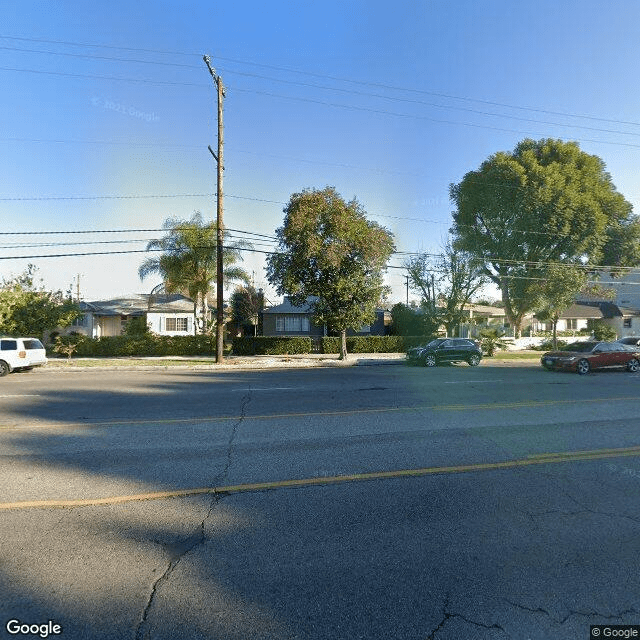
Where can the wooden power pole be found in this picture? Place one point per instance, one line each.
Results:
(219, 219)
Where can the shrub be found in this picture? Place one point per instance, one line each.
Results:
(604, 332)
(136, 326)
(268, 345)
(67, 345)
(144, 345)
(365, 344)
(547, 345)
(491, 340)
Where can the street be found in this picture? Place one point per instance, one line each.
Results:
(364, 502)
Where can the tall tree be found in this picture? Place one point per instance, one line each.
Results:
(246, 304)
(447, 282)
(328, 249)
(557, 292)
(547, 201)
(187, 263)
(27, 309)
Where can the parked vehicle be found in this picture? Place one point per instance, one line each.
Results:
(443, 350)
(21, 353)
(634, 341)
(582, 357)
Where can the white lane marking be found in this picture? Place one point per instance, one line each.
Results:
(467, 381)
(271, 389)
(22, 395)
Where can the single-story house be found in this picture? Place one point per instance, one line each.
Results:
(166, 314)
(287, 319)
(583, 314)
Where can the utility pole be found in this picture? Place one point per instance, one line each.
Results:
(407, 279)
(219, 223)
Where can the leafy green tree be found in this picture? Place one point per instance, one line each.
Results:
(603, 331)
(187, 263)
(246, 304)
(408, 321)
(557, 292)
(137, 326)
(547, 201)
(27, 309)
(447, 282)
(328, 249)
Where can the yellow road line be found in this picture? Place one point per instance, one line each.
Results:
(311, 414)
(536, 459)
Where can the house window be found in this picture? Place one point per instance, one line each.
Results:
(176, 324)
(626, 323)
(292, 324)
(572, 323)
(82, 321)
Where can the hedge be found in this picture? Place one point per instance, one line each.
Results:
(146, 345)
(152, 345)
(270, 346)
(262, 345)
(365, 344)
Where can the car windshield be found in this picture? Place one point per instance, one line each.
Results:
(581, 346)
(436, 343)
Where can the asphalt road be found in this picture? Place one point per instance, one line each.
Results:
(365, 502)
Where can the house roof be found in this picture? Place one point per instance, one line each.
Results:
(139, 304)
(484, 309)
(580, 310)
(288, 307)
(597, 310)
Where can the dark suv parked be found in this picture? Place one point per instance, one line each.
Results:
(443, 350)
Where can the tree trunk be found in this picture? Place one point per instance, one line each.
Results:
(515, 319)
(343, 344)
(555, 334)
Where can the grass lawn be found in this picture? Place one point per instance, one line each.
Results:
(516, 355)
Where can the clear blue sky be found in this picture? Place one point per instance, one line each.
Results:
(388, 102)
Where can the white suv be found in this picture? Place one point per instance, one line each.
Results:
(21, 353)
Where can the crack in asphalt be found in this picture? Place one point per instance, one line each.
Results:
(179, 551)
(198, 537)
(584, 508)
(448, 615)
(571, 613)
(244, 403)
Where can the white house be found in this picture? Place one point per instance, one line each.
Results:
(166, 314)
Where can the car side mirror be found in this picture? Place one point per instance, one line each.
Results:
(597, 351)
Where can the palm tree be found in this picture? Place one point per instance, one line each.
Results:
(187, 263)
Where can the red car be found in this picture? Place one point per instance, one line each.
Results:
(585, 356)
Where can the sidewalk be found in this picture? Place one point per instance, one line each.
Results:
(255, 362)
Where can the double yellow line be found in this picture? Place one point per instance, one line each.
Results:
(537, 459)
(486, 406)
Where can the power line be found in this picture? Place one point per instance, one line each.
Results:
(251, 199)
(85, 76)
(327, 88)
(378, 85)
(334, 105)
(95, 57)
(234, 234)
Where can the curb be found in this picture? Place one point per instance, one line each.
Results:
(269, 362)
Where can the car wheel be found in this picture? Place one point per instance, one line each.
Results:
(429, 360)
(4, 368)
(474, 360)
(633, 365)
(583, 367)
